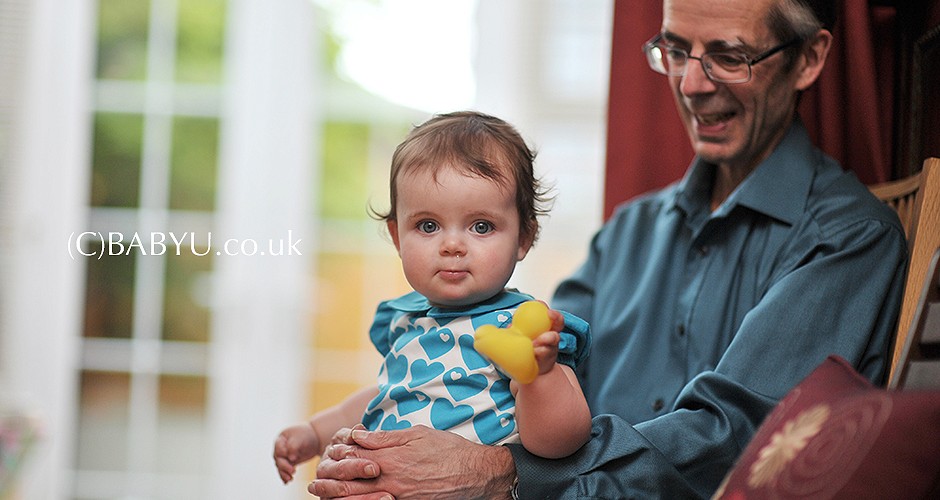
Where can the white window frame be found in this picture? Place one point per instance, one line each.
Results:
(260, 312)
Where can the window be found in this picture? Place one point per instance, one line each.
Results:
(177, 166)
(209, 119)
(142, 423)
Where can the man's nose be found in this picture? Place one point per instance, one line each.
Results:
(695, 80)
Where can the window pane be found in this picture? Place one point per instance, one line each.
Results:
(109, 295)
(182, 432)
(195, 154)
(351, 282)
(345, 158)
(185, 315)
(200, 40)
(116, 160)
(341, 276)
(122, 39)
(103, 421)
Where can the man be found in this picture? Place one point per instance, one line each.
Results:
(709, 300)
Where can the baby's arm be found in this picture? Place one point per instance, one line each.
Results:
(553, 416)
(301, 442)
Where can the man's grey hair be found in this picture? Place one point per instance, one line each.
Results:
(789, 19)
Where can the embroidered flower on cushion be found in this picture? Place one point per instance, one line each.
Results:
(786, 444)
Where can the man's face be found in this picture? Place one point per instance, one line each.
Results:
(735, 125)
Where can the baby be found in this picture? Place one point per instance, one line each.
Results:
(464, 207)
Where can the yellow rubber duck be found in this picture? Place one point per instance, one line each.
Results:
(511, 348)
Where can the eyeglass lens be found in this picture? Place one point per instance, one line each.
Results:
(722, 67)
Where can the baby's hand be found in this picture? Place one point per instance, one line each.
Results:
(557, 319)
(513, 348)
(293, 446)
(546, 351)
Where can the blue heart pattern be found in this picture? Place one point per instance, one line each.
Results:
(444, 415)
(471, 357)
(408, 402)
(406, 335)
(422, 372)
(372, 419)
(396, 367)
(429, 382)
(500, 395)
(437, 342)
(393, 424)
(462, 385)
(493, 427)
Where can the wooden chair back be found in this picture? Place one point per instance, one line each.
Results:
(900, 195)
(924, 240)
(919, 364)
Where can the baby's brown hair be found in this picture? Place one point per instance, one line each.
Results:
(482, 145)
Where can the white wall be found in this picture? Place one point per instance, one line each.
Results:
(543, 66)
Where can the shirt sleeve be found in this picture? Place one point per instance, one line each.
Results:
(380, 331)
(575, 343)
(852, 279)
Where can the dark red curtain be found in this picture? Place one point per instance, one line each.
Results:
(848, 111)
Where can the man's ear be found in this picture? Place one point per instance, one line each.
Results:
(392, 226)
(813, 59)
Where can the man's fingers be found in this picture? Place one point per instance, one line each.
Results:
(373, 440)
(346, 469)
(343, 435)
(328, 488)
(342, 451)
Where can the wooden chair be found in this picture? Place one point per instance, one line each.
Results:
(919, 363)
(923, 233)
(900, 195)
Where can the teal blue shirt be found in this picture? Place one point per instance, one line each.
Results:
(703, 320)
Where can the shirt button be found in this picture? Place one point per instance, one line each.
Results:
(680, 330)
(703, 250)
(658, 404)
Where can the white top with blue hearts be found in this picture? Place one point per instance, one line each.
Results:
(432, 376)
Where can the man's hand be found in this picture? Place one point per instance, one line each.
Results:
(412, 463)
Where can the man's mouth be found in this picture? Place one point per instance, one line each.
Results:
(713, 118)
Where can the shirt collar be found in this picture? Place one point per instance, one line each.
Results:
(778, 187)
(414, 302)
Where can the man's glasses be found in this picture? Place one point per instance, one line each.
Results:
(721, 67)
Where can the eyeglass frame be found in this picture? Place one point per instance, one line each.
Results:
(748, 60)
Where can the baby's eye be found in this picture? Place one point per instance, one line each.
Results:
(482, 227)
(427, 226)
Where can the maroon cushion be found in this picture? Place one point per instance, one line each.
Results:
(836, 436)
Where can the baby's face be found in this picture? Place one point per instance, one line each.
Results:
(457, 235)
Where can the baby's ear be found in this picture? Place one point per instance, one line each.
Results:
(526, 240)
(392, 226)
